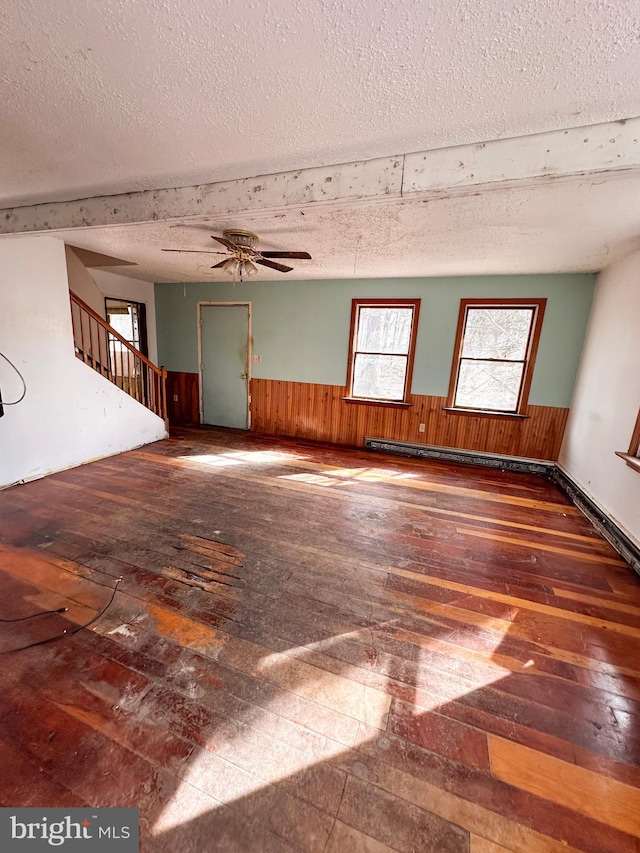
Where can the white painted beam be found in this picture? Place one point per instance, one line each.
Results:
(349, 183)
(612, 149)
(614, 146)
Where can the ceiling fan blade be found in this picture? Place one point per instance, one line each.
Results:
(221, 264)
(231, 246)
(304, 256)
(273, 265)
(198, 251)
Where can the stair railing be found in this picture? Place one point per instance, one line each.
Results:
(112, 356)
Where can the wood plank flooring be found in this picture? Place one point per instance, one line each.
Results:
(319, 649)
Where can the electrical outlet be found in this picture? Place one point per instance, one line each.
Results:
(421, 428)
(175, 398)
(257, 359)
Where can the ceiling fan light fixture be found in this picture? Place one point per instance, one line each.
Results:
(231, 266)
(242, 246)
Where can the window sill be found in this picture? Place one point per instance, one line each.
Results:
(482, 413)
(394, 404)
(632, 461)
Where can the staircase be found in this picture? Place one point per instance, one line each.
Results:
(102, 348)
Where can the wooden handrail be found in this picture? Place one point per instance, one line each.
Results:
(134, 373)
(102, 322)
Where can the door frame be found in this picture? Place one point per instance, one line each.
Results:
(142, 319)
(206, 304)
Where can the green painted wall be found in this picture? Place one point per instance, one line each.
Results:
(301, 328)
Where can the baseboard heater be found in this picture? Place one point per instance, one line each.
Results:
(469, 457)
(605, 525)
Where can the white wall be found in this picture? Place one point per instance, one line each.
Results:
(70, 414)
(82, 284)
(607, 397)
(92, 286)
(123, 287)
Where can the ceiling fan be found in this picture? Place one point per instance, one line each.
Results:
(241, 246)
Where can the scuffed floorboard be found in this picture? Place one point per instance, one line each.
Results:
(319, 649)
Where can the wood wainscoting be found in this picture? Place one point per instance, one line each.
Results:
(185, 411)
(318, 412)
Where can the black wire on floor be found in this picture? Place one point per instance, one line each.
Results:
(35, 615)
(65, 633)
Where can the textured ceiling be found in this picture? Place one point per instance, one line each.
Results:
(117, 95)
(575, 226)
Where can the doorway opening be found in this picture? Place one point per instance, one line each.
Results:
(129, 319)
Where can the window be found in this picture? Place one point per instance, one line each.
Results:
(129, 320)
(494, 354)
(632, 457)
(382, 346)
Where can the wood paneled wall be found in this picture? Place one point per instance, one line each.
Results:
(305, 410)
(185, 411)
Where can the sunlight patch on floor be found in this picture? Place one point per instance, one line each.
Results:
(349, 476)
(315, 479)
(213, 460)
(241, 457)
(243, 759)
(187, 804)
(373, 475)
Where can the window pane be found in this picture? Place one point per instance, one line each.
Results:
(380, 377)
(489, 385)
(125, 318)
(497, 332)
(384, 330)
(123, 324)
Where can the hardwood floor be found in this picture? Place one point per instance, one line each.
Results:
(319, 649)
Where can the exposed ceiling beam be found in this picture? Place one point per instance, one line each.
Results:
(611, 149)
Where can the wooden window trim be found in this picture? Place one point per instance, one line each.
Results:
(539, 306)
(356, 304)
(484, 413)
(632, 456)
(364, 401)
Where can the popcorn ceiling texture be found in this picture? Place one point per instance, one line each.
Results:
(119, 95)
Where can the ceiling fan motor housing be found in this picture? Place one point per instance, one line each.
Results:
(242, 239)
